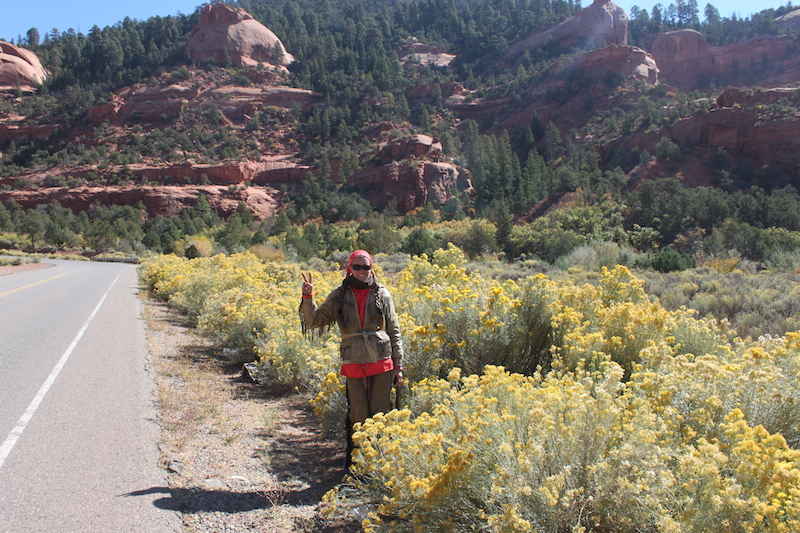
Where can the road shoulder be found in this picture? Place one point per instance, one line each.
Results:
(25, 267)
(239, 456)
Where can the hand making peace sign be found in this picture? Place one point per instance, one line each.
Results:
(308, 286)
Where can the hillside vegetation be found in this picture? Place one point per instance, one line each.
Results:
(598, 137)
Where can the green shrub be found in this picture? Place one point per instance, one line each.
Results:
(668, 151)
(668, 260)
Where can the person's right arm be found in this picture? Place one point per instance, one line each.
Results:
(317, 316)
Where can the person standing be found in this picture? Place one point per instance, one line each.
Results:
(371, 348)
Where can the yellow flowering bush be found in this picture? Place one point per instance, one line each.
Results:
(574, 451)
(535, 405)
(749, 480)
(454, 319)
(759, 378)
(507, 452)
(251, 305)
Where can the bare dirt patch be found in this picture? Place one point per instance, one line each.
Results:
(24, 267)
(241, 457)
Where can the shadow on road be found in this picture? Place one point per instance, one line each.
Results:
(197, 500)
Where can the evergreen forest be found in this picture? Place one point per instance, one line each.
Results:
(541, 190)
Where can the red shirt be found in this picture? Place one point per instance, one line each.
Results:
(361, 302)
(356, 370)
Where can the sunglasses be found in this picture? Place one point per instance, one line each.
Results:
(360, 267)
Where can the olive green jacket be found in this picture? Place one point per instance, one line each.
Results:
(380, 337)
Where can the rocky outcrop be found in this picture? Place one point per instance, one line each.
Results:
(622, 59)
(227, 34)
(602, 21)
(155, 104)
(790, 20)
(733, 96)
(19, 66)
(748, 139)
(412, 175)
(25, 134)
(410, 184)
(452, 92)
(411, 147)
(167, 201)
(774, 143)
(687, 61)
(545, 98)
(277, 171)
(142, 103)
(419, 55)
(237, 101)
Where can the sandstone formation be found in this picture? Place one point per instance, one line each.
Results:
(21, 134)
(409, 177)
(154, 104)
(224, 33)
(747, 138)
(166, 201)
(420, 55)
(411, 184)
(277, 171)
(733, 96)
(774, 143)
(19, 66)
(622, 59)
(452, 92)
(687, 61)
(594, 65)
(601, 21)
(411, 147)
(790, 20)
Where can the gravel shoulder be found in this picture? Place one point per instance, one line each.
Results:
(240, 457)
(24, 267)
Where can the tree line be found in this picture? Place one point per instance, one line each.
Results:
(665, 226)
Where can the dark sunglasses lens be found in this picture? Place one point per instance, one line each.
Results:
(361, 267)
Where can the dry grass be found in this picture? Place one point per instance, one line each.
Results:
(12, 268)
(241, 457)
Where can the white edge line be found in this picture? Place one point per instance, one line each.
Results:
(15, 434)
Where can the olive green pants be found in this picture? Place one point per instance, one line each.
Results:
(366, 397)
(369, 396)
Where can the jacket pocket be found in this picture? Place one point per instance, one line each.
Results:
(346, 351)
(382, 346)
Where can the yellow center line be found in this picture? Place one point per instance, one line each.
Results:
(38, 282)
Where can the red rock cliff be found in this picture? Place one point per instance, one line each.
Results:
(687, 61)
(225, 33)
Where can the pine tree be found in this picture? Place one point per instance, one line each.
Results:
(532, 187)
(553, 146)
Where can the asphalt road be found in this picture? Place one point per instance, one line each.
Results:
(78, 431)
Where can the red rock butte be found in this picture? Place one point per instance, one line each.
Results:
(19, 66)
(601, 21)
(225, 33)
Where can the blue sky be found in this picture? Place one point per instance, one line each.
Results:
(21, 15)
(742, 8)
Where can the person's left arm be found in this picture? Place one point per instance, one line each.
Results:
(393, 330)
